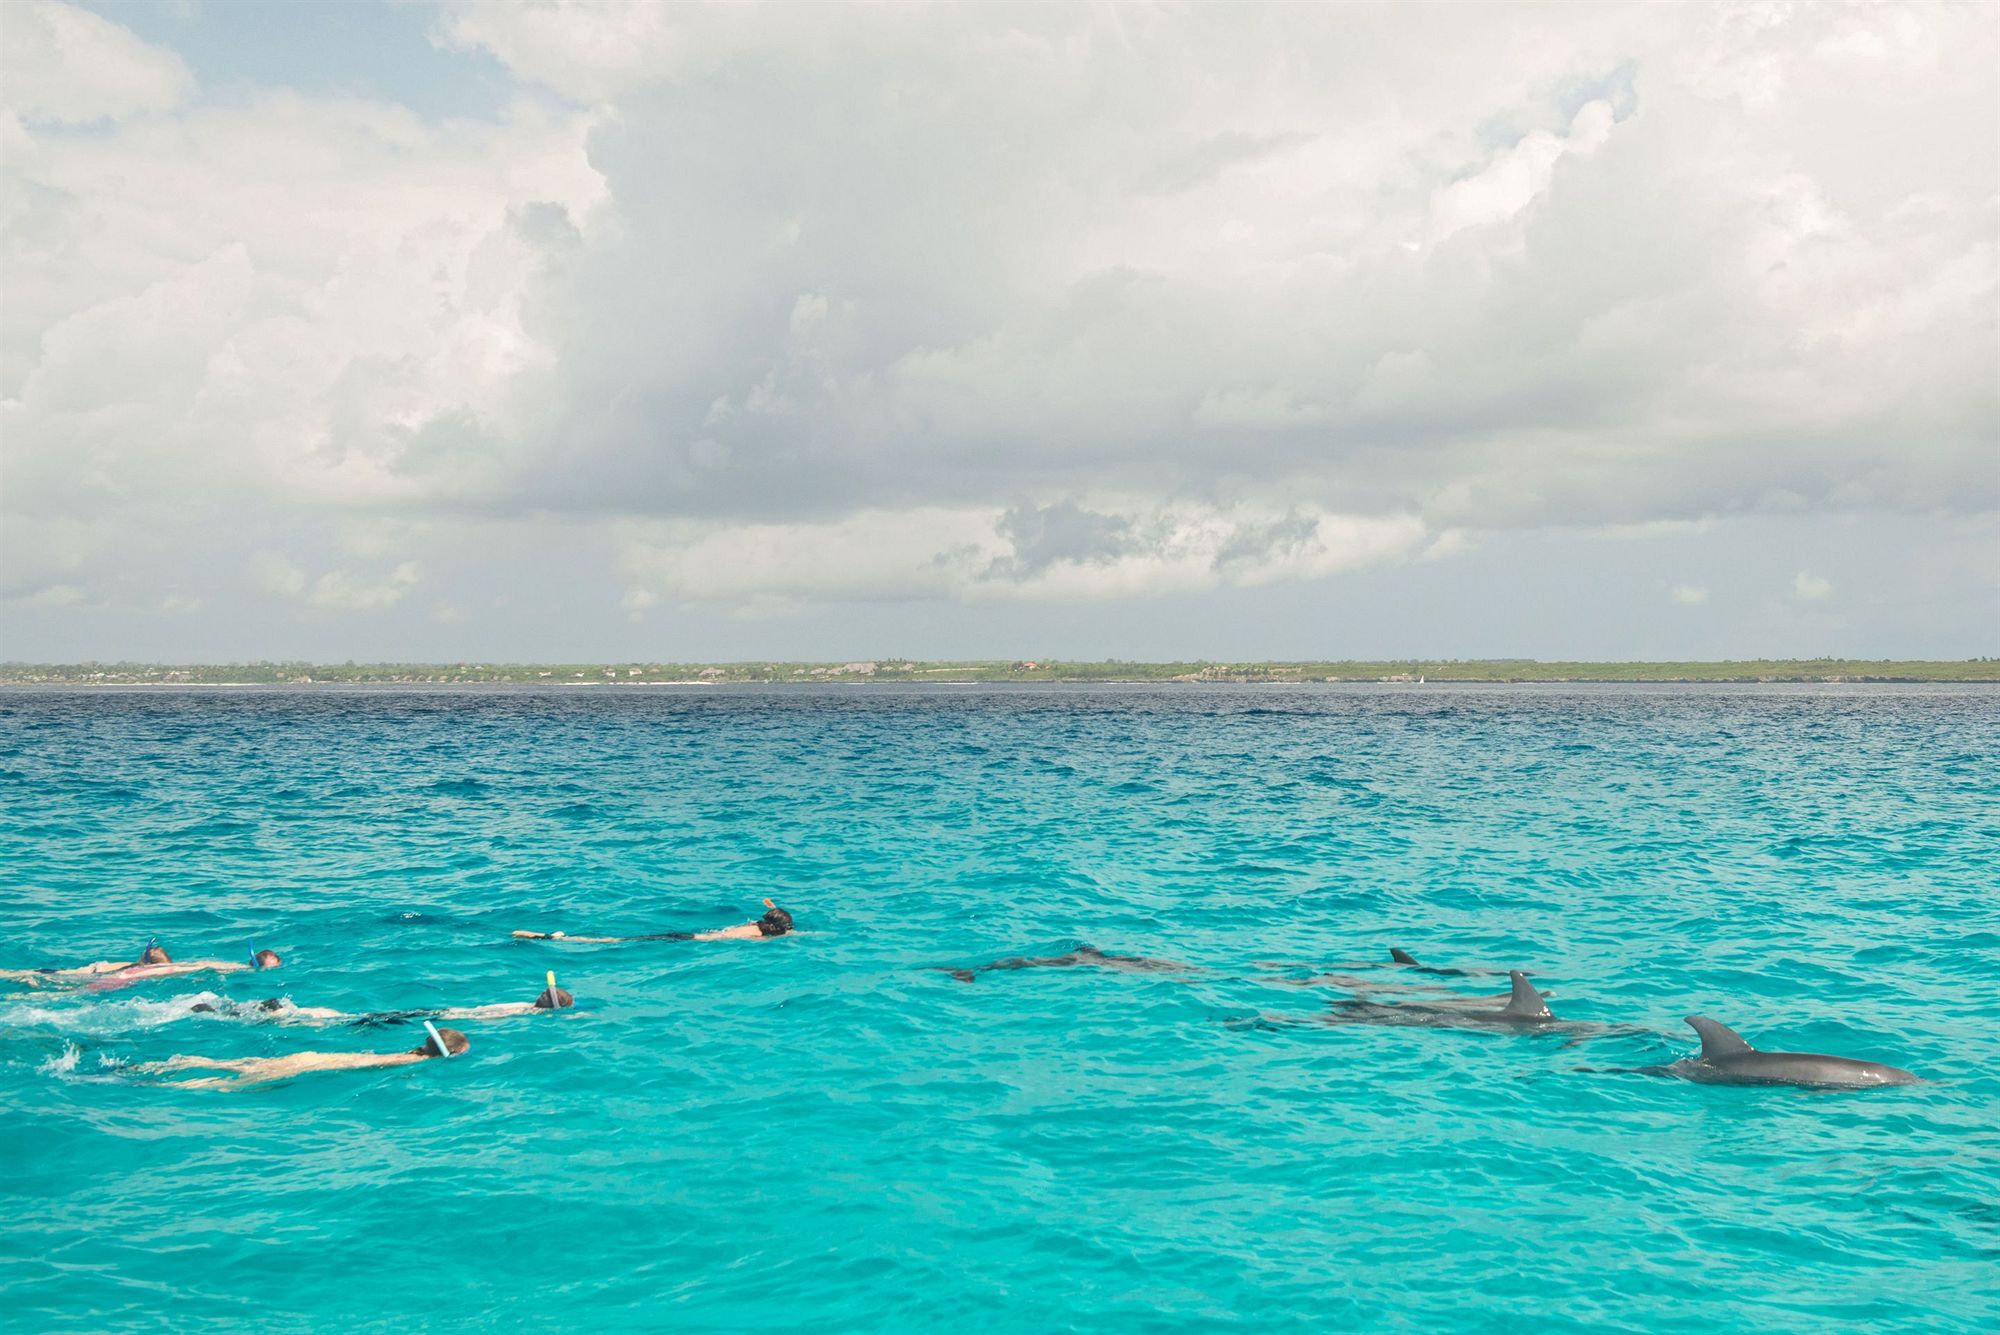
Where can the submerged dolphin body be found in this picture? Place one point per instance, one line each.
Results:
(1082, 956)
(1727, 1060)
(1397, 955)
(1522, 1008)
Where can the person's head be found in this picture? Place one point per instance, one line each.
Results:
(155, 955)
(553, 999)
(775, 922)
(272, 1004)
(267, 959)
(454, 1043)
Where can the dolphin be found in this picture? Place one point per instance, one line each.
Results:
(1397, 955)
(1521, 1008)
(1727, 1060)
(1087, 956)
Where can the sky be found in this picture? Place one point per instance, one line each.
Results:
(563, 332)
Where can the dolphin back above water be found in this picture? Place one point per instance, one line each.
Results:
(1726, 1059)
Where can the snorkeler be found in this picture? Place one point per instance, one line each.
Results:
(153, 962)
(257, 1070)
(1085, 956)
(152, 954)
(775, 922)
(552, 998)
(257, 960)
(280, 1010)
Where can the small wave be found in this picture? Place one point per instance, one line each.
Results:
(63, 1062)
(114, 1017)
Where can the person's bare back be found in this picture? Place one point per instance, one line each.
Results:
(775, 922)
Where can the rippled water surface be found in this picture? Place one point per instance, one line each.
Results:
(827, 1131)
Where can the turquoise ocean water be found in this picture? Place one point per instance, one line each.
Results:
(827, 1132)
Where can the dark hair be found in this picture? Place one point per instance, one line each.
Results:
(553, 999)
(454, 1043)
(775, 923)
(155, 955)
(268, 959)
(272, 1003)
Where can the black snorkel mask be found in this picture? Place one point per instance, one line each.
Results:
(552, 996)
(775, 917)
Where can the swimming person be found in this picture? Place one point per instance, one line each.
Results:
(775, 922)
(152, 954)
(257, 1070)
(256, 961)
(153, 962)
(552, 998)
(280, 1010)
(1084, 956)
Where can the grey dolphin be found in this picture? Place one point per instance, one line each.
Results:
(1727, 1060)
(1397, 955)
(1523, 1007)
(1089, 956)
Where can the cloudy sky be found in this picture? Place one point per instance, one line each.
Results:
(562, 330)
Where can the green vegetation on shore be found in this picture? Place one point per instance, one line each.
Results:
(1046, 670)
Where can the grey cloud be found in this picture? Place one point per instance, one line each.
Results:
(1703, 311)
(1043, 535)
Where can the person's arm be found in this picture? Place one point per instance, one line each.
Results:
(36, 977)
(587, 940)
(139, 973)
(498, 1010)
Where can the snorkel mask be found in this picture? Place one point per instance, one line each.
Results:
(553, 996)
(437, 1038)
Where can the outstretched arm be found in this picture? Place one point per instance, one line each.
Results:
(36, 977)
(498, 1010)
(128, 974)
(587, 940)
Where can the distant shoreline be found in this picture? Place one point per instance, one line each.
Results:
(909, 671)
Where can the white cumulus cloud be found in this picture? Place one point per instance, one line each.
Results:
(64, 64)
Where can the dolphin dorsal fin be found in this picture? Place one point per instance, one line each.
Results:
(1717, 1040)
(1526, 1001)
(1401, 956)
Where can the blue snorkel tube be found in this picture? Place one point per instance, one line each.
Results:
(437, 1038)
(254, 962)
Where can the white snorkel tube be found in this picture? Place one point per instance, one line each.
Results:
(437, 1038)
